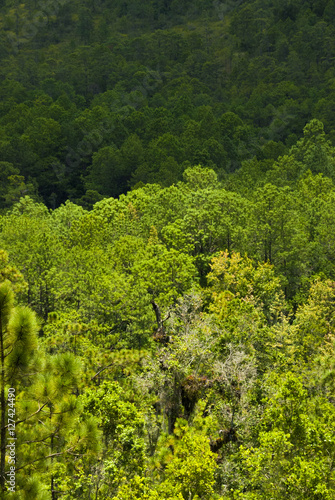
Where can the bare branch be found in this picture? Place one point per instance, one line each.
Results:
(35, 413)
(102, 369)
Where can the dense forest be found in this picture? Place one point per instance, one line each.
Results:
(167, 262)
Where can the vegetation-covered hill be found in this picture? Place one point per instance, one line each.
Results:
(99, 96)
(167, 277)
(185, 345)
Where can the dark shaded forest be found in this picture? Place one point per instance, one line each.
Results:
(100, 97)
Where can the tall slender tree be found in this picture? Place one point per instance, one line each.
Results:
(18, 339)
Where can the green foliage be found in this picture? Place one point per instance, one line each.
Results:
(157, 97)
(293, 459)
(44, 409)
(122, 426)
(240, 278)
(189, 470)
(167, 229)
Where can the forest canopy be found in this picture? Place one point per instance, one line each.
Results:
(98, 97)
(167, 236)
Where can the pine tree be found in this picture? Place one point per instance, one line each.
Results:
(50, 432)
(18, 339)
